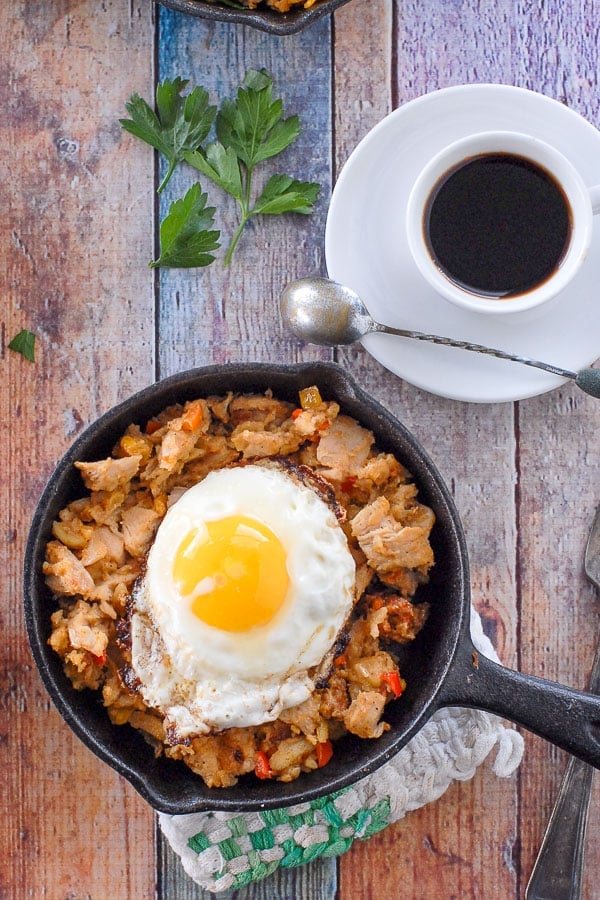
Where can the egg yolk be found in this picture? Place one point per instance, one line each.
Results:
(234, 571)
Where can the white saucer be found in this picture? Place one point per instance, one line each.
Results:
(366, 248)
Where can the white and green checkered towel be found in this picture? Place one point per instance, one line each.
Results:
(221, 851)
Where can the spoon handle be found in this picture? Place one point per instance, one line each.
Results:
(558, 870)
(476, 348)
(557, 873)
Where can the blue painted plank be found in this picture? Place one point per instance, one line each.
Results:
(216, 314)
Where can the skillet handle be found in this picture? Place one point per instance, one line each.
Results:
(564, 716)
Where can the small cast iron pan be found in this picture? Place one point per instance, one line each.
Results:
(262, 17)
(441, 667)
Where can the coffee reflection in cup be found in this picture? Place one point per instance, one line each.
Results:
(499, 222)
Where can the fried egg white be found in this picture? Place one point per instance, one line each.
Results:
(247, 584)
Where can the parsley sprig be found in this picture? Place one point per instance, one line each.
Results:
(249, 130)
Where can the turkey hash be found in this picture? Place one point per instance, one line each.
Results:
(235, 580)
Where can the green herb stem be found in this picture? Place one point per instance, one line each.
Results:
(235, 239)
(248, 191)
(167, 177)
(244, 204)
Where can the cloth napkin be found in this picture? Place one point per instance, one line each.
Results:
(222, 851)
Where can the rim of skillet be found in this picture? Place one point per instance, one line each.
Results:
(267, 20)
(170, 786)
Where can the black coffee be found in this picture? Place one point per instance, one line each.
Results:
(497, 225)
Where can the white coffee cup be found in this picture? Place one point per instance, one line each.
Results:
(581, 202)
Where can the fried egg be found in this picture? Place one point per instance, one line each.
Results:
(247, 585)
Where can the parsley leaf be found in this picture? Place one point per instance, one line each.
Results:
(252, 124)
(251, 129)
(24, 343)
(185, 238)
(283, 194)
(179, 125)
(221, 166)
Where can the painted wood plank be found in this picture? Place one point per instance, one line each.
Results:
(558, 479)
(463, 844)
(503, 45)
(76, 216)
(559, 610)
(215, 315)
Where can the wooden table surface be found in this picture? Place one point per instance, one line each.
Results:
(78, 227)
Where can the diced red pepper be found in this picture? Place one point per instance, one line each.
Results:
(324, 753)
(99, 660)
(394, 683)
(296, 413)
(262, 767)
(340, 661)
(348, 483)
(152, 425)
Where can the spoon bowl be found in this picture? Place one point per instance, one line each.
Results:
(321, 311)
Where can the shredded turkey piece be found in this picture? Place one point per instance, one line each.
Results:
(101, 540)
(387, 542)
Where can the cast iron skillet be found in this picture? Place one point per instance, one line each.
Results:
(441, 667)
(265, 19)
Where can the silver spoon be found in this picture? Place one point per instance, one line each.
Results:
(321, 311)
